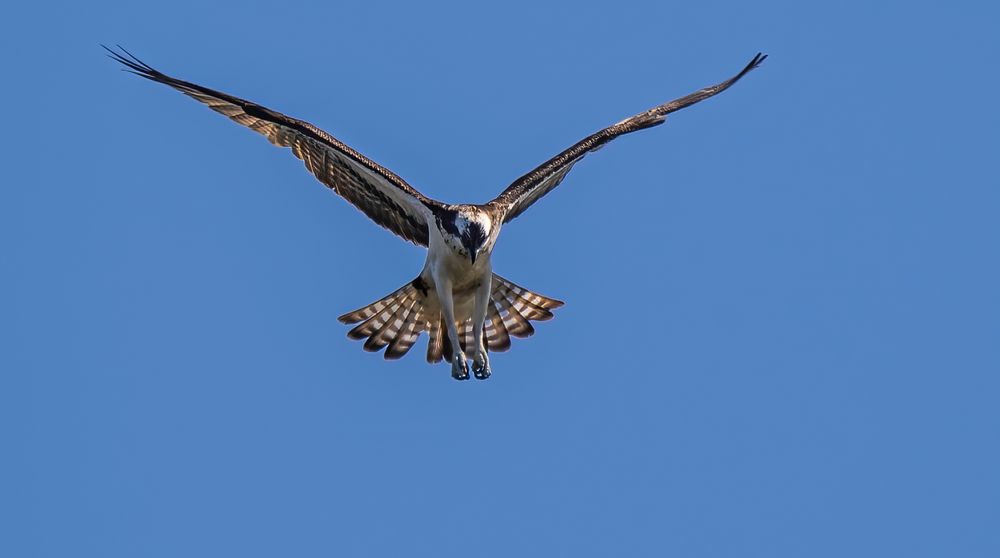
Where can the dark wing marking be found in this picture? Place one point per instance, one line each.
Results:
(379, 193)
(532, 186)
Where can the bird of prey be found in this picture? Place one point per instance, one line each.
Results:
(456, 298)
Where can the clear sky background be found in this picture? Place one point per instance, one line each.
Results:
(782, 319)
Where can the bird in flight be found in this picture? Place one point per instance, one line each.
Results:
(457, 299)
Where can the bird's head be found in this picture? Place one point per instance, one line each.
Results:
(474, 231)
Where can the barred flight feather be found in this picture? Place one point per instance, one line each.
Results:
(375, 190)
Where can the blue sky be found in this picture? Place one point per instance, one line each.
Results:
(780, 336)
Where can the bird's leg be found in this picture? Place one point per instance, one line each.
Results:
(480, 360)
(459, 365)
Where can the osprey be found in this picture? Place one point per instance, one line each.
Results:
(457, 298)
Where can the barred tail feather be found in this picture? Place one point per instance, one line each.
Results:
(497, 337)
(446, 348)
(395, 322)
(390, 321)
(435, 341)
(517, 325)
(388, 332)
(466, 336)
(513, 308)
(407, 336)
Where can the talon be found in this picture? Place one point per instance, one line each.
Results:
(459, 367)
(481, 365)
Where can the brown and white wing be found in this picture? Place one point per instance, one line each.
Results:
(379, 193)
(532, 186)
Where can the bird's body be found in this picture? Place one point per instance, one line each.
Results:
(448, 261)
(458, 277)
(466, 309)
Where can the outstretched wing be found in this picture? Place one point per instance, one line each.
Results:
(379, 193)
(532, 186)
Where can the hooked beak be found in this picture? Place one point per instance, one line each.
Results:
(471, 247)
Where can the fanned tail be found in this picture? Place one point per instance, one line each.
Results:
(396, 321)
